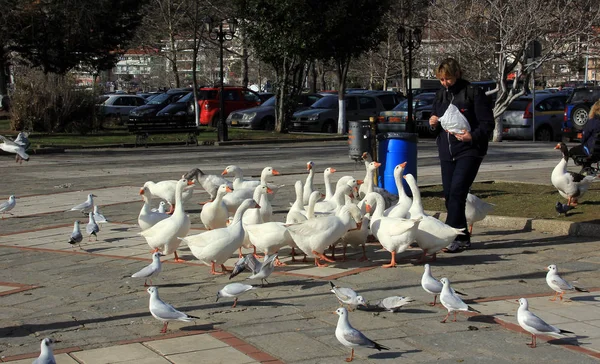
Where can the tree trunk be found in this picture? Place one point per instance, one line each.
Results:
(313, 77)
(245, 66)
(174, 60)
(342, 72)
(3, 72)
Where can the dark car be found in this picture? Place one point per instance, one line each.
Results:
(422, 105)
(577, 110)
(156, 104)
(182, 108)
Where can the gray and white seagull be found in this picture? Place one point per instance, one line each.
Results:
(8, 205)
(432, 285)
(86, 206)
(452, 302)
(351, 337)
(347, 296)
(558, 284)
(10, 146)
(151, 270)
(46, 354)
(76, 236)
(535, 325)
(165, 312)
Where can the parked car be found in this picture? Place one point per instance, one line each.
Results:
(322, 116)
(264, 96)
(155, 104)
(118, 105)
(576, 112)
(422, 105)
(182, 108)
(517, 120)
(236, 98)
(263, 116)
(389, 99)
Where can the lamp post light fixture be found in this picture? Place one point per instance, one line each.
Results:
(221, 30)
(410, 39)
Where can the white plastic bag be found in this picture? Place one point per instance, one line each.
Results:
(454, 121)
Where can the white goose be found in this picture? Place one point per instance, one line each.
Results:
(254, 216)
(400, 209)
(308, 185)
(369, 186)
(148, 218)
(214, 247)
(344, 187)
(476, 210)
(394, 234)
(214, 214)
(238, 178)
(313, 236)
(166, 190)
(164, 234)
(326, 178)
(356, 236)
(269, 237)
(209, 182)
(432, 235)
(234, 199)
(266, 172)
(296, 213)
(570, 185)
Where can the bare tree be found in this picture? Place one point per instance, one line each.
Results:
(493, 35)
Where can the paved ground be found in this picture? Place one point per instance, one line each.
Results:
(86, 298)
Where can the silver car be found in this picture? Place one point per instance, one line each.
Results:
(517, 120)
(118, 105)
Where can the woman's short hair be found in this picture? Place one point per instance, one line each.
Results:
(449, 67)
(595, 111)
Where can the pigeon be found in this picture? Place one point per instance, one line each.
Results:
(165, 312)
(5, 207)
(347, 296)
(393, 303)
(259, 270)
(451, 301)
(100, 219)
(153, 269)
(432, 285)
(76, 236)
(10, 146)
(86, 206)
(92, 228)
(46, 354)
(558, 284)
(233, 290)
(351, 337)
(563, 208)
(535, 325)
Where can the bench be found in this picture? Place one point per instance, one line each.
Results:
(143, 127)
(587, 161)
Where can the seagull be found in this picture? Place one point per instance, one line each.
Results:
(23, 140)
(432, 285)
(165, 312)
(46, 354)
(92, 228)
(152, 269)
(5, 207)
(259, 270)
(347, 296)
(563, 208)
(394, 303)
(451, 301)
(233, 290)
(100, 219)
(351, 337)
(87, 206)
(161, 207)
(535, 325)
(76, 236)
(9, 146)
(558, 284)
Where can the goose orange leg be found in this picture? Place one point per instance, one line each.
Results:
(212, 269)
(392, 262)
(323, 256)
(177, 259)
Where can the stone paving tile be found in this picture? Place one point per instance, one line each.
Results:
(180, 345)
(223, 355)
(116, 354)
(60, 359)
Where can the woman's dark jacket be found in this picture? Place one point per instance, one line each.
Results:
(475, 106)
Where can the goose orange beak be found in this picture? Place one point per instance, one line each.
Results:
(141, 191)
(403, 165)
(224, 172)
(228, 189)
(276, 173)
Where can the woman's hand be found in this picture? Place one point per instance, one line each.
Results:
(433, 121)
(465, 136)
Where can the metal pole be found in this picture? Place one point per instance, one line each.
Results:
(221, 126)
(533, 103)
(409, 120)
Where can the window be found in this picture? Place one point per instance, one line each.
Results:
(231, 95)
(251, 96)
(367, 103)
(388, 101)
(351, 104)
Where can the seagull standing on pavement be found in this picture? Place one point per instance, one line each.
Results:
(6, 206)
(535, 325)
(394, 303)
(46, 354)
(347, 296)
(100, 219)
(234, 290)
(86, 206)
(558, 284)
(351, 337)
(152, 269)
(76, 236)
(432, 285)
(92, 228)
(165, 312)
(451, 301)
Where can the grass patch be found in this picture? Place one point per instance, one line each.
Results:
(523, 200)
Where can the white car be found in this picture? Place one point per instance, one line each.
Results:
(118, 105)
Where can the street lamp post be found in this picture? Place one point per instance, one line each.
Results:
(410, 39)
(217, 32)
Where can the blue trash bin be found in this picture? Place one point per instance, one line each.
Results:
(396, 148)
